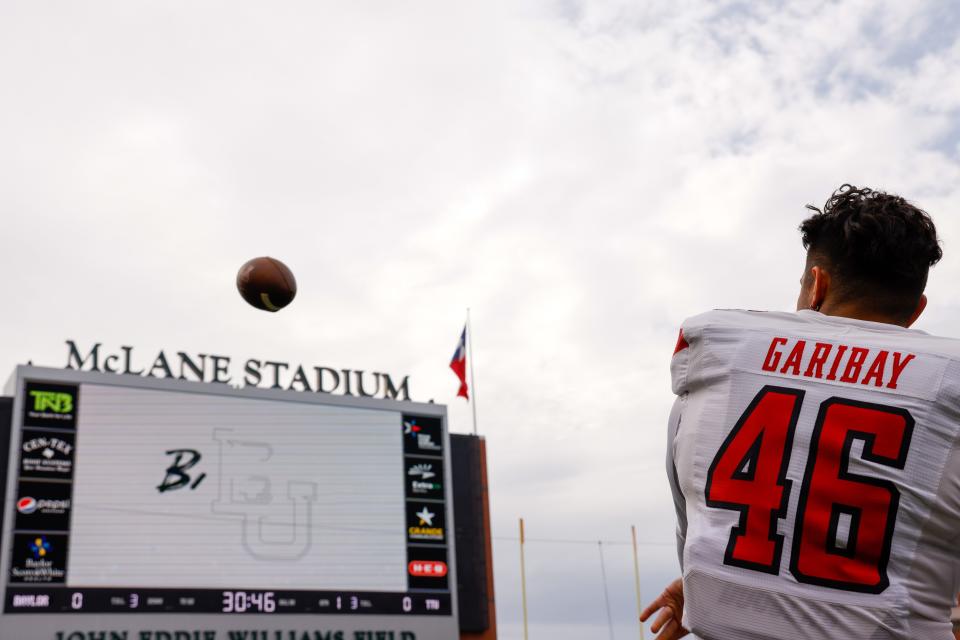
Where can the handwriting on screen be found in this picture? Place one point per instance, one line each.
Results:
(251, 494)
(176, 474)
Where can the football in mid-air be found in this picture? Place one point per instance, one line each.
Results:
(266, 283)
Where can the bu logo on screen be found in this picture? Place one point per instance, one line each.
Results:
(255, 483)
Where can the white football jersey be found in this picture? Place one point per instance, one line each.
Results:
(815, 467)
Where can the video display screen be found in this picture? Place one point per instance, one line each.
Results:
(134, 499)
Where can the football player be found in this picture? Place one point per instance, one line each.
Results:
(813, 456)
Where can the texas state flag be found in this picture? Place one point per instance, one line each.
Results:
(459, 364)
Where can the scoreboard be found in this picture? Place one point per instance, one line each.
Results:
(147, 508)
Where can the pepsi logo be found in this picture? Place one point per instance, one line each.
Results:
(26, 505)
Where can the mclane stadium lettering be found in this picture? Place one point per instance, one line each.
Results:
(203, 367)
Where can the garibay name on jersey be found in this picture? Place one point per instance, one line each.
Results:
(823, 360)
(814, 467)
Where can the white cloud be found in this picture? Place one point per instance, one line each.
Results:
(583, 175)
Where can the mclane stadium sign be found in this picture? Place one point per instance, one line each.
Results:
(203, 367)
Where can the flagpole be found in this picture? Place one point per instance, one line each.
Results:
(523, 580)
(636, 575)
(473, 380)
(606, 594)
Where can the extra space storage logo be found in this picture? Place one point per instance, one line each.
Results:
(43, 506)
(424, 478)
(50, 405)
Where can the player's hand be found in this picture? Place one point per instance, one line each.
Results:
(670, 604)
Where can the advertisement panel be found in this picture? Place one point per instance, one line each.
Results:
(145, 508)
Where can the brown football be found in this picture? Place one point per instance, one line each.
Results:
(266, 283)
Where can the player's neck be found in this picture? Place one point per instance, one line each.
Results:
(858, 313)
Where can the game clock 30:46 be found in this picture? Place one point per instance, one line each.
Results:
(242, 601)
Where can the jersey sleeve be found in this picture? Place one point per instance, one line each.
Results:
(680, 372)
(691, 365)
(679, 501)
(681, 364)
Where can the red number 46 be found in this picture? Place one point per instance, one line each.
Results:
(748, 475)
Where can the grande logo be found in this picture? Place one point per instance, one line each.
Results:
(425, 529)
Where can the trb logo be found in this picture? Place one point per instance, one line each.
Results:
(50, 405)
(52, 401)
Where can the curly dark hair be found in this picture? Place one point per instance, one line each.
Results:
(877, 246)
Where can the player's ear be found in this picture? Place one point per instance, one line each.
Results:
(818, 288)
(921, 305)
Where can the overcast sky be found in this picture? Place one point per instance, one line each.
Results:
(584, 175)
